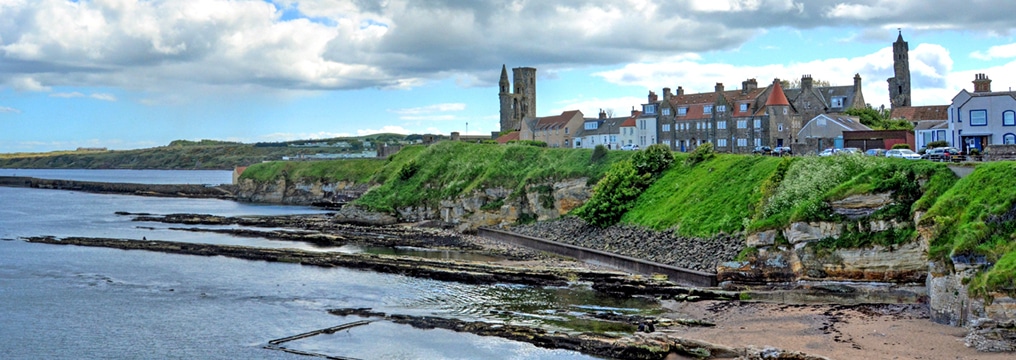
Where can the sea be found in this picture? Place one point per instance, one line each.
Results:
(65, 302)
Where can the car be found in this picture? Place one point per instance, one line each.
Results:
(762, 150)
(943, 154)
(630, 147)
(903, 154)
(875, 152)
(782, 151)
(850, 151)
(828, 152)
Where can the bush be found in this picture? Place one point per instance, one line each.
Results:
(901, 146)
(939, 143)
(974, 151)
(614, 195)
(599, 153)
(653, 160)
(529, 143)
(701, 153)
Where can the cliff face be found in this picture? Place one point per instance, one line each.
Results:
(298, 193)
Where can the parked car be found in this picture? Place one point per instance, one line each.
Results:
(762, 150)
(943, 154)
(782, 151)
(828, 152)
(850, 151)
(875, 152)
(903, 154)
(630, 147)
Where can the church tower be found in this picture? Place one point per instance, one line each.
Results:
(520, 102)
(899, 85)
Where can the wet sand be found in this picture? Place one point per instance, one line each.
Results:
(837, 332)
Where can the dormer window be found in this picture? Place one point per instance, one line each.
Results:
(836, 102)
(592, 125)
(649, 109)
(707, 109)
(682, 111)
(744, 107)
(666, 111)
(721, 108)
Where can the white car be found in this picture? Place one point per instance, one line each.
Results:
(828, 152)
(631, 147)
(903, 153)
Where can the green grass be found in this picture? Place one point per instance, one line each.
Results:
(448, 169)
(353, 170)
(962, 217)
(713, 196)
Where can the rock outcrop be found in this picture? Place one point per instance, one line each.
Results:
(305, 192)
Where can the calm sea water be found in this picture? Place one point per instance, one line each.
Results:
(59, 302)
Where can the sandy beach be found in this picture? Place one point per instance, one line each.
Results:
(834, 331)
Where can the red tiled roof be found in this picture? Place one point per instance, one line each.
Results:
(555, 122)
(777, 97)
(504, 139)
(631, 120)
(695, 102)
(920, 113)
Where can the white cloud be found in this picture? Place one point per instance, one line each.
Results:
(1007, 51)
(69, 95)
(103, 97)
(26, 83)
(75, 94)
(446, 107)
(5, 109)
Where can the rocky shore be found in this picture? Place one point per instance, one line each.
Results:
(662, 247)
(158, 190)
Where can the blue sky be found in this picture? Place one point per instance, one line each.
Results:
(129, 74)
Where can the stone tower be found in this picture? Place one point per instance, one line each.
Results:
(520, 102)
(899, 85)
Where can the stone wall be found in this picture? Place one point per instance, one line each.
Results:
(999, 152)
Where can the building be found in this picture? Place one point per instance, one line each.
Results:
(899, 84)
(826, 131)
(646, 124)
(877, 139)
(982, 117)
(628, 136)
(810, 101)
(931, 123)
(518, 103)
(600, 131)
(556, 131)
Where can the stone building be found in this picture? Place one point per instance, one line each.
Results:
(518, 103)
(899, 84)
(556, 131)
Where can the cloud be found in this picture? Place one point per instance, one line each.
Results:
(75, 94)
(1007, 51)
(5, 109)
(446, 107)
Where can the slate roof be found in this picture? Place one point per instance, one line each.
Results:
(921, 113)
(554, 122)
(931, 124)
(609, 126)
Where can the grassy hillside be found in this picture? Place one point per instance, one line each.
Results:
(426, 175)
(702, 200)
(976, 219)
(354, 170)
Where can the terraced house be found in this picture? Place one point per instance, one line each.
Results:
(602, 131)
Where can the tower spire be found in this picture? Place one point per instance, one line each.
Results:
(503, 84)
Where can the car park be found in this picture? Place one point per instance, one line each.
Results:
(903, 154)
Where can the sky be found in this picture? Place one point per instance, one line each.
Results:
(126, 74)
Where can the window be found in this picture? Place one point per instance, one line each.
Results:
(941, 135)
(709, 125)
(1009, 118)
(836, 102)
(666, 142)
(928, 137)
(698, 125)
(742, 124)
(742, 142)
(758, 142)
(666, 111)
(744, 107)
(978, 117)
(1009, 139)
(666, 127)
(613, 138)
(642, 124)
(721, 142)
(649, 109)
(721, 108)
(707, 109)
(758, 123)
(779, 127)
(721, 125)
(682, 111)
(784, 111)
(591, 125)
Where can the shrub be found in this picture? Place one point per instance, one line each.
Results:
(653, 160)
(614, 195)
(974, 151)
(939, 143)
(701, 153)
(599, 153)
(901, 146)
(529, 143)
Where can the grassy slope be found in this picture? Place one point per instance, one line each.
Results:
(714, 196)
(354, 170)
(424, 176)
(223, 157)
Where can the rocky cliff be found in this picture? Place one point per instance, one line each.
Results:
(302, 192)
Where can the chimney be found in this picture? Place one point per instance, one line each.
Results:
(857, 82)
(748, 85)
(806, 82)
(603, 114)
(652, 97)
(680, 91)
(633, 111)
(666, 94)
(719, 87)
(982, 83)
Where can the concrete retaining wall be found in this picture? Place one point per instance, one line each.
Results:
(621, 262)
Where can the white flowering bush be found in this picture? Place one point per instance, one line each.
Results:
(809, 179)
